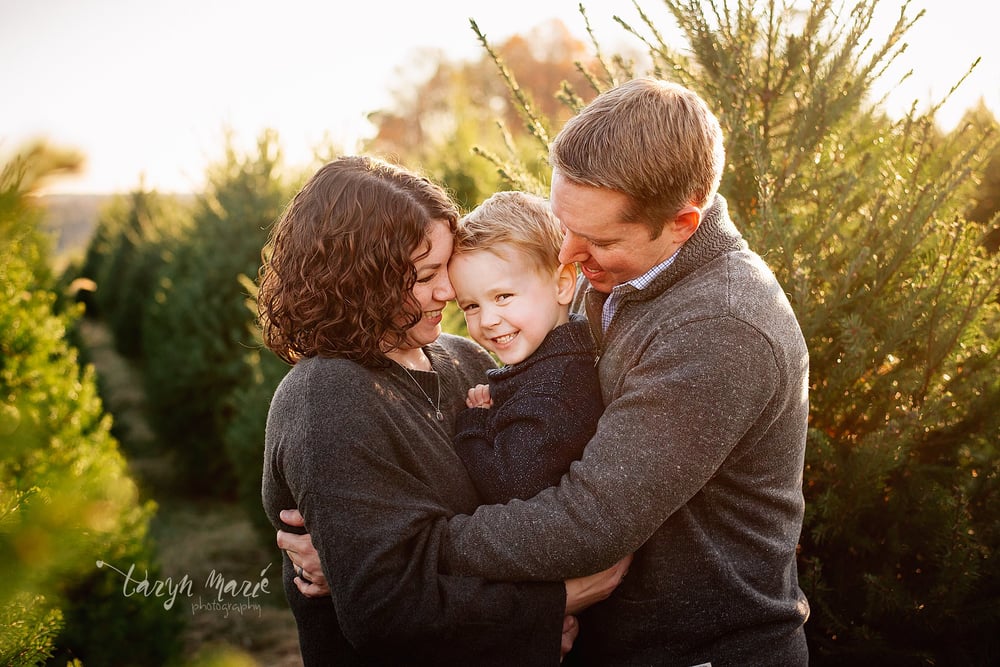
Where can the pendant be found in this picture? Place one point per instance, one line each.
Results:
(440, 416)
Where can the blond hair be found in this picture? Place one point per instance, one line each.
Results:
(655, 141)
(518, 219)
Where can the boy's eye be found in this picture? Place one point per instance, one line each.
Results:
(469, 307)
(503, 297)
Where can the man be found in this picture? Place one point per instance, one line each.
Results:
(696, 464)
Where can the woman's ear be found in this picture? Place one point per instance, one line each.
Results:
(565, 283)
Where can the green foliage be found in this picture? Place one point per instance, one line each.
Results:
(441, 123)
(247, 408)
(195, 331)
(28, 628)
(860, 216)
(66, 499)
(129, 249)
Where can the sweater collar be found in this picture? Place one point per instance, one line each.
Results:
(571, 338)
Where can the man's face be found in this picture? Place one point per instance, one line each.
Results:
(609, 250)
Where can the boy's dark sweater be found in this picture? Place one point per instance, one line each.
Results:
(545, 409)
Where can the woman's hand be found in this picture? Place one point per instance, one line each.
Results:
(310, 580)
(479, 397)
(585, 591)
(571, 628)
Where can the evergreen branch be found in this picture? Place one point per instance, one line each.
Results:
(611, 81)
(534, 123)
(568, 96)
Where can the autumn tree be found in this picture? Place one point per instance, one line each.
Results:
(434, 125)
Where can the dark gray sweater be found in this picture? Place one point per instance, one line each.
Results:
(359, 451)
(545, 409)
(696, 467)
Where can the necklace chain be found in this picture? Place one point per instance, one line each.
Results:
(437, 408)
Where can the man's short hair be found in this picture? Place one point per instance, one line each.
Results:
(655, 141)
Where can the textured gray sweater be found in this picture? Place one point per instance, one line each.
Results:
(696, 467)
(359, 451)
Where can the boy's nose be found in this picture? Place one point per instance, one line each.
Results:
(490, 317)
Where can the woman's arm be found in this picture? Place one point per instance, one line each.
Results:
(377, 508)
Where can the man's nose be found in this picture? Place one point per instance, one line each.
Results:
(572, 250)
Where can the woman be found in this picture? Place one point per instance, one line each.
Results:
(358, 432)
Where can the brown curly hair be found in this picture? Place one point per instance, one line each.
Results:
(337, 273)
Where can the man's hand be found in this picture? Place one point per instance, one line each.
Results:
(585, 591)
(309, 580)
(479, 397)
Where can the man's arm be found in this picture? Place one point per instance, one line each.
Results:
(671, 424)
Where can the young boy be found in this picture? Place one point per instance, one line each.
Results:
(522, 431)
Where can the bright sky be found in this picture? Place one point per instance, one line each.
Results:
(146, 88)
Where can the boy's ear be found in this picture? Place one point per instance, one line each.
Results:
(566, 283)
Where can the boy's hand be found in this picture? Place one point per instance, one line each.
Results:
(479, 397)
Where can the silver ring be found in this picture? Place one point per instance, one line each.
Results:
(302, 575)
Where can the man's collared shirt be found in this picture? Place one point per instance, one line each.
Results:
(619, 291)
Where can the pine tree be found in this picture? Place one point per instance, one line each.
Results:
(195, 332)
(66, 499)
(861, 218)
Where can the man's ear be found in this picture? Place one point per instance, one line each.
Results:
(685, 224)
(566, 283)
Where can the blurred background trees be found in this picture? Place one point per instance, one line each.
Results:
(438, 124)
(66, 498)
(883, 232)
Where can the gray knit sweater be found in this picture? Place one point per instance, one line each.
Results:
(696, 467)
(359, 451)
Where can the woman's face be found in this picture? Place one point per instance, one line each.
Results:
(433, 289)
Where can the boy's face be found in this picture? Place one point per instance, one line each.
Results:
(509, 305)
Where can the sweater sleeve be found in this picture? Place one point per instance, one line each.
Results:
(378, 528)
(672, 421)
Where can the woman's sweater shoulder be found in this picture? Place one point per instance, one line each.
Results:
(463, 351)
